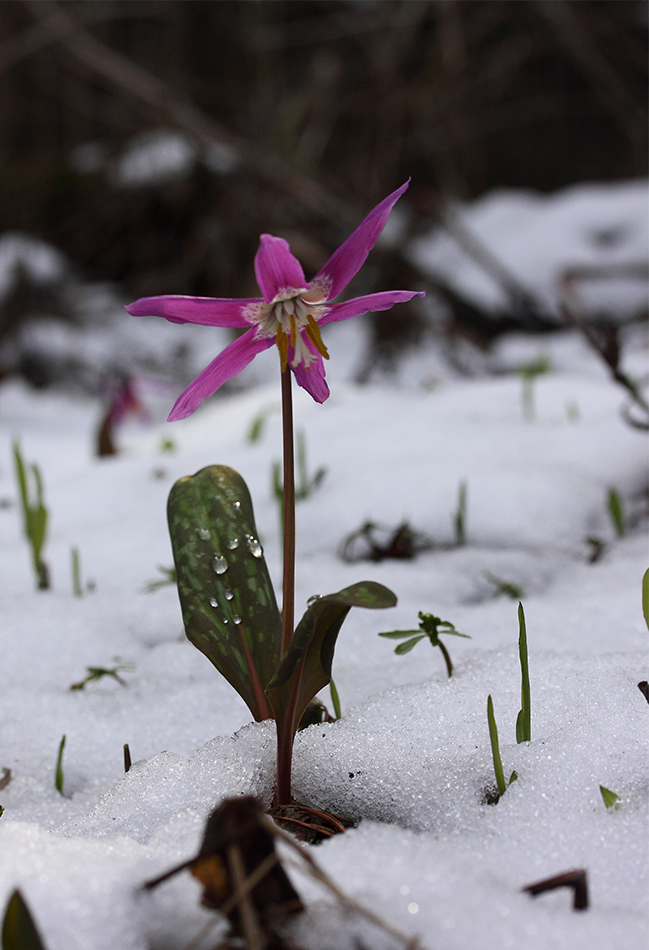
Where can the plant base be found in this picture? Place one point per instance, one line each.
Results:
(309, 824)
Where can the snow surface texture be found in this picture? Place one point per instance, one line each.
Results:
(411, 755)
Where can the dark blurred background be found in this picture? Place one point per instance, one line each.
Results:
(296, 117)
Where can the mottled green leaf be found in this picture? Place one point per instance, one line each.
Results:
(306, 666)
(18, 929)
(227, 599)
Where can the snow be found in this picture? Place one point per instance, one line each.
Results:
(410, 757)
(539, 237)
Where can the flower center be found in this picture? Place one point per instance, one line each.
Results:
(289, 320)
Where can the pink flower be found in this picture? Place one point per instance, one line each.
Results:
(290, 312)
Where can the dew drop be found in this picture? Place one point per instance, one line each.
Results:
(228, 594)
(313, 599)
(219, 564)
(236, 619)
(203, 534)
(214, 602)
(224, 620)
(237, 504)
(233, 544)
(254, 546)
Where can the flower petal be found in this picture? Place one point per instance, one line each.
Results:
(350, 256)
(367, 304)
(312, 379)
(227, 364)
(208, 311)
(276, 269)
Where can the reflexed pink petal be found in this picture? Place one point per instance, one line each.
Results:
(350, 256)
(312, 379)
(367, 304)
(227, 364)
(276, 269)
(209, 311)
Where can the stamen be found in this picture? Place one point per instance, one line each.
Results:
(282, 345)
(293, 330)
(313, 331)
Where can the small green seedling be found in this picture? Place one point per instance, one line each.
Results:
(460, 515)
(18, 928)
(258, 424)
(524, 718)
(501, 785)
(97, 672)
(335, 700)
(429, 627)
(168, 446)
(610, 799)
(504, 588)
(58, 773)
(168, 577)
(529, 372)
(645, 597)
(75, 562)
(616, 511)
(35, 515)
(572, 412)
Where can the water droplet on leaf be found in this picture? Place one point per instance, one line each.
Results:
(228, 594)
(203, 534)
(254, 546)
(214, 602)
(313, 599)
(233, 544)
(219, 564)
(237, 504)
(236, 619)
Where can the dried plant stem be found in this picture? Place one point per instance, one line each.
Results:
(288, 599)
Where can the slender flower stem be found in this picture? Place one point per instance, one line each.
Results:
(288, 601)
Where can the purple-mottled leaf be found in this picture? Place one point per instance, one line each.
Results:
(226, 595)
(306, 666)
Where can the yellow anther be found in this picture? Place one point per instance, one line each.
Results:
(293, 329)
(313, 331)
(282, 345)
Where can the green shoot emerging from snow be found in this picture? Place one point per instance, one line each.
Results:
(429, 627)
(335, 700)
(495, 752)
(504, 588)
(58, 772)
(460, 515)
(35, 515)
(610, 799)
(168, 577)
(75, 562)
(524, 719)
(529, 372)
(616, 511)
(645, 597)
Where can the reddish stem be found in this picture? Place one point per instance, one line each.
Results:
(288, 592)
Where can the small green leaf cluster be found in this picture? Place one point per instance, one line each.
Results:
(97, 672)
(430, 627)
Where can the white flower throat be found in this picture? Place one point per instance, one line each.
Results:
(287, 319)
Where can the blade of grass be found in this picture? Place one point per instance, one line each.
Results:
(495, 749)
(524, 719)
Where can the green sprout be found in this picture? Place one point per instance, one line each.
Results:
(98, 672)
(504, 588)
(460, 515)
(529, 372)
(168, 577)
(58, 773)
(76, 572)
(610, 799)
(335, 700)
(429, 627)
(524, 718)
(501, 785)
(616, 511)
(258, 424)
(35, 515)
(168, 446)
(19, 932)
(645, 597)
